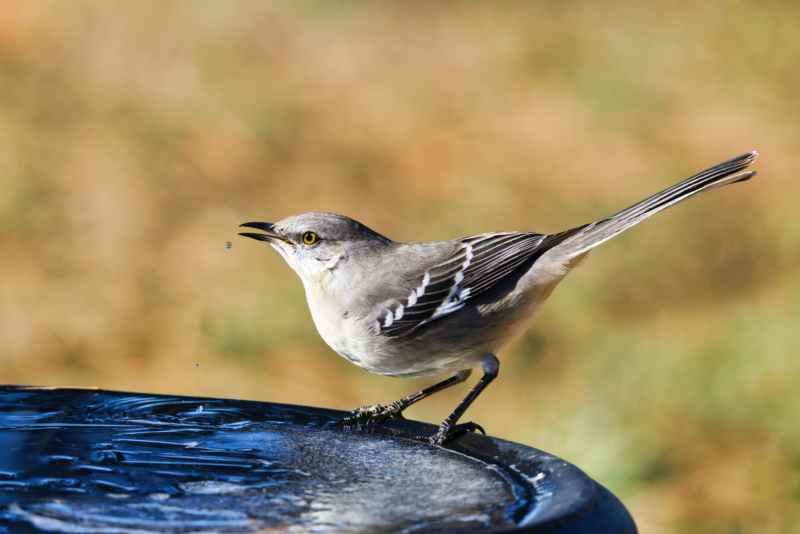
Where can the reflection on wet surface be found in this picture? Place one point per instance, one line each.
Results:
(106, 462)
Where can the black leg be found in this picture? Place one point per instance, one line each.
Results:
(490, 366)
(378, 413)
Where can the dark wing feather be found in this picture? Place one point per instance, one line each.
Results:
(478, 263)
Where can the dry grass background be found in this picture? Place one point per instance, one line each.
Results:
(136, 136)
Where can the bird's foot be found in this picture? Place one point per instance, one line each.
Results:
(373, 414)
(445, 433)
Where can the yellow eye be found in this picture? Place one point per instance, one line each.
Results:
(309, 238)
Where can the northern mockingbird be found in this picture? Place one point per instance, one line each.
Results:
(424, 309)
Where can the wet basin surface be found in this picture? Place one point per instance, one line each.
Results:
(103, 461)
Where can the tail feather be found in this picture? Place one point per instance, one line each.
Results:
(723, 174)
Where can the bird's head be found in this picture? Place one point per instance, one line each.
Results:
(315, 244)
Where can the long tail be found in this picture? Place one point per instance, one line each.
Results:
(725, 173)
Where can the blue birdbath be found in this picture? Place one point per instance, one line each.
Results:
(94, 461)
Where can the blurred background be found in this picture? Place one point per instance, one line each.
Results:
(135, 137)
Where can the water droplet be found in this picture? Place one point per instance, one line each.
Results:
(199, 408)
(228, 244)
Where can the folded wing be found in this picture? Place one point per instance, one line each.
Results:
(478, 263)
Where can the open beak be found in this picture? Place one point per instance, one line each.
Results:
(273, 237)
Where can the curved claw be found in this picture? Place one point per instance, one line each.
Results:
(361, 414)
(445, 433)
(467, 427)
